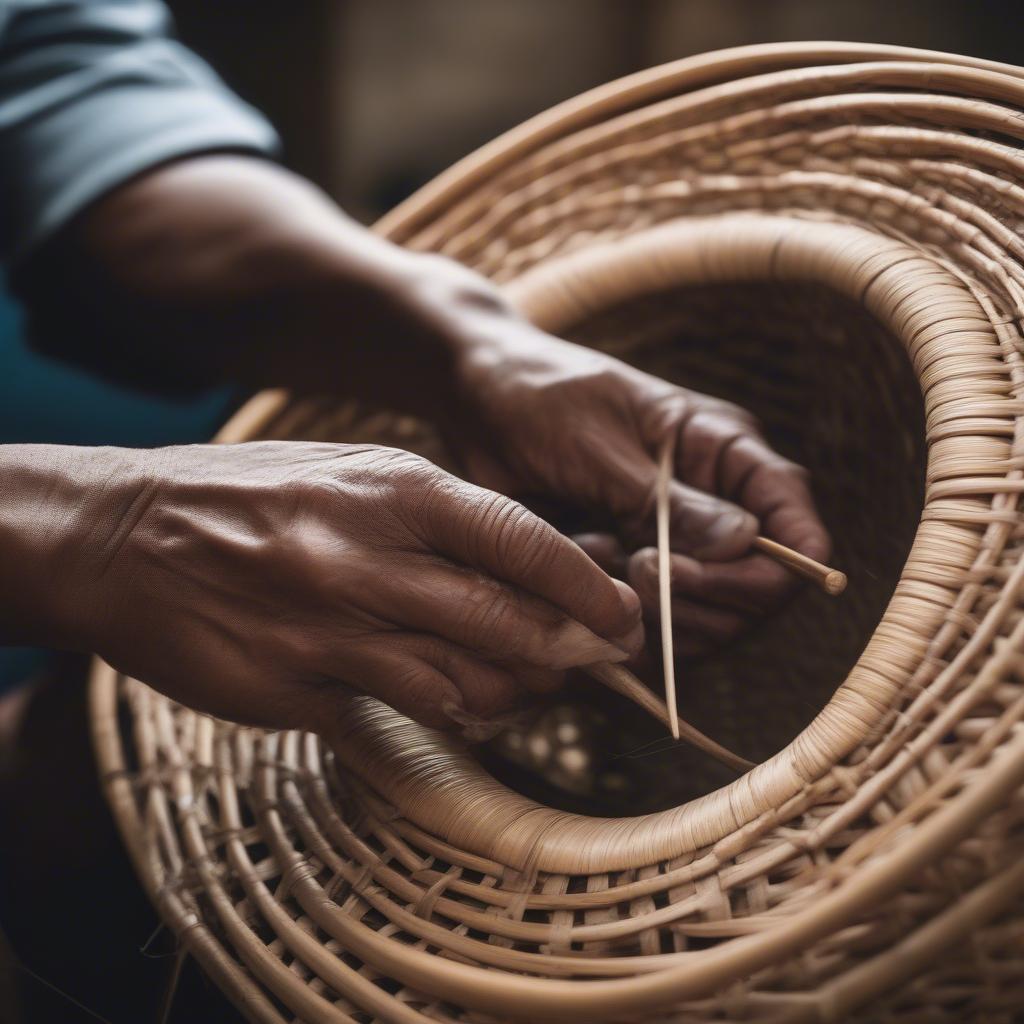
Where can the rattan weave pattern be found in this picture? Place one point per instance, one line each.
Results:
(871, 869)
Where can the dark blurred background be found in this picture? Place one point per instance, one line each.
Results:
(374, 97)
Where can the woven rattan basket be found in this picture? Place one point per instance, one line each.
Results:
(830, 235)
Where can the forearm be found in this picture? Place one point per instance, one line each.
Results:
(60, 504)
(228, 268)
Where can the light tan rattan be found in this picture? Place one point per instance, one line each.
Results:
(830, 233)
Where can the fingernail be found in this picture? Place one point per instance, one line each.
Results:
(630, 599)
(574, 645)
(632, 641)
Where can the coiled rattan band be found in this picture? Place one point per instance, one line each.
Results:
(443, 788)
(393, 877)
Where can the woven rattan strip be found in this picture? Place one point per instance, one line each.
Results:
(829, 234)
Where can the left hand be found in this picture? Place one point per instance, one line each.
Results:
(547, 418)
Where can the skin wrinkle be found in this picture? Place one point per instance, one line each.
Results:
(303, 553)
(134, 516)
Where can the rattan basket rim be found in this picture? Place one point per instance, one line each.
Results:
(646, 87)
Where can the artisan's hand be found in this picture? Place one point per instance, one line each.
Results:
(561, 421)
(251, 581)
(233, 269)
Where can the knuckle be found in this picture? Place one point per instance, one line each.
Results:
(722, 409)
(787, 473)
(416, 684)
(719, 429)
(513, 536)
(401, 489)
(408, 480)
(490, 614)
(794, 469)
(666, 411)
(416, 468)
(609, 376)
(370, 464)
(523, 541)
(592, 373)
(744, 418)
(435, 493)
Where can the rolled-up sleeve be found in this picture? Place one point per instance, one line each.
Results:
(92, 93)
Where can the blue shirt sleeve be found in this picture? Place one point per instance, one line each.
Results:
(92, 93)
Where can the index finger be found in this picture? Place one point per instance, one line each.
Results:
(721, 450)
(496, 535)
(776, 491)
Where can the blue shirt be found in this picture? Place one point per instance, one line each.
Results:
(92, 93)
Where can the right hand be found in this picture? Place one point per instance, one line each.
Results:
(255, 581)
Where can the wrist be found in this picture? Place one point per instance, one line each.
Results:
(475, 331)
(59, 504)
(420, 317)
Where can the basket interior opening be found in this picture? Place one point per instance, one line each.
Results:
(835, 392)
